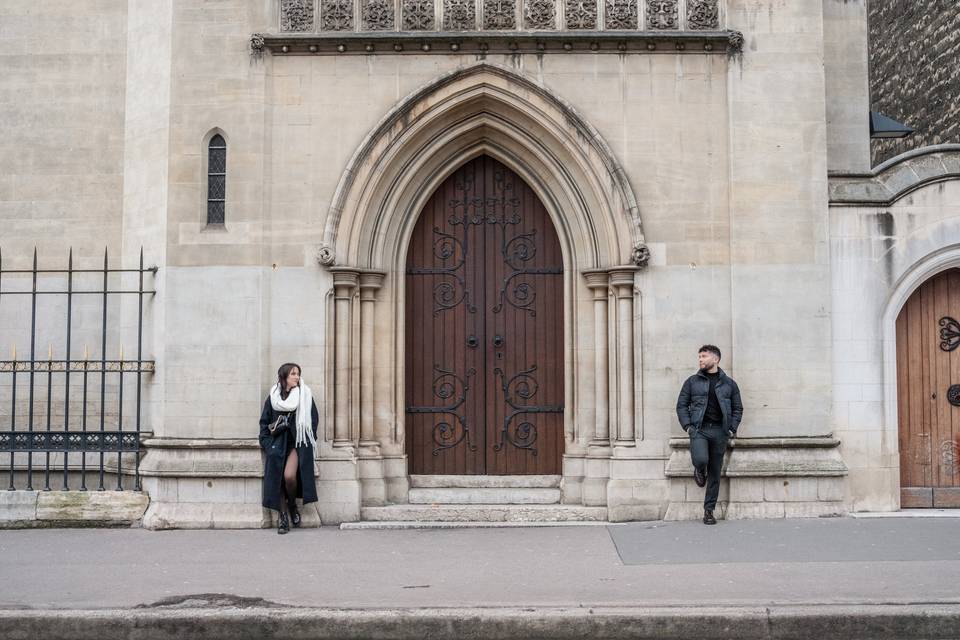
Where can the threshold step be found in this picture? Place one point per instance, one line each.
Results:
(484, 495)
(483, 513)
(480, 482)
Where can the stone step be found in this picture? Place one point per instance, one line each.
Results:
(433, 524)
(484, 495)
(484, 513)
(478, 482)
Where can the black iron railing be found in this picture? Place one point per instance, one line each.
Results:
(24, 438)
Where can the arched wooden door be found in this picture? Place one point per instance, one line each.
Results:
(484, 329)
(928, 393)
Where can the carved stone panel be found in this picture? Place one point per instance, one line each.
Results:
(499, 14)
(336, 15)
(296, 15)
(663, 14)
(539, 14)
(459, 15)
(581, 14)
(378, 15)
(621, 14)
(418, 15)
(703, 14)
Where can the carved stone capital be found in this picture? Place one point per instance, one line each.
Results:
(598, 280)
(345, 280)
(370, 283)
(621, 280)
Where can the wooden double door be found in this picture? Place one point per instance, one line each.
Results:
(928, 394)
(484, 329)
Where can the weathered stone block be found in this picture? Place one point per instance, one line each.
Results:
(18, 506)
(747, 510)
(92, 506)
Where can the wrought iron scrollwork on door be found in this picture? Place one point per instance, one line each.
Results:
(949, 333)
(517, 390)
(515, 289)
(447, 294)
(448, 386)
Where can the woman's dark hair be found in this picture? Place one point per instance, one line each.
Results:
(282, 374)
(709, 348)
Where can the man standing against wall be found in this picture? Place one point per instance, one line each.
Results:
(709, 410)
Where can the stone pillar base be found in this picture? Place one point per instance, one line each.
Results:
(339, 489)
(636, 489)
(203, 484)
(373, 486)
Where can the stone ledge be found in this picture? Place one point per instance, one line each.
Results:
(499, 42)
(29, 509)
(768, 457)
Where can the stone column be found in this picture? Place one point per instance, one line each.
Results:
(370, 282)
(373, 489)
(598, 282)
(621, 280)
(338, 482)
(344, 283)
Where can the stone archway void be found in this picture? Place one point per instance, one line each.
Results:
(484, 329)
(928, 385)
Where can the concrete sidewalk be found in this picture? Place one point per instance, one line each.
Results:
(897, 569)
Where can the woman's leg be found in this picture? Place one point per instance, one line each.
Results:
(290, 471)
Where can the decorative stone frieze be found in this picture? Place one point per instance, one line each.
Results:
(499, 15)
(663, 14)
(296, 15)
(336, 15)
(581, 14)
(621, 14)
(503, 42)
(418, 15)
(703, 14)
(459, 15)
(539, 14)
(378, 15)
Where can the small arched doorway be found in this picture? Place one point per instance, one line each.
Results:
(484, 329)
(928, 393)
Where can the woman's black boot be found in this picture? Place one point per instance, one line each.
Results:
(294, 514)
(284, 525)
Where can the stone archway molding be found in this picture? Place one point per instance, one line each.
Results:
(897, 177)
(483, 108)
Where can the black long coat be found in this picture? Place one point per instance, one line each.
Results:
(276, 447)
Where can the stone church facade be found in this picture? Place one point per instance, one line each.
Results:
(494, 233)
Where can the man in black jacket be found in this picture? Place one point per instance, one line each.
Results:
(709, 410)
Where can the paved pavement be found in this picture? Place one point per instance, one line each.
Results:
(653, 564)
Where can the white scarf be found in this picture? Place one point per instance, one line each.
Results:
(300, 399)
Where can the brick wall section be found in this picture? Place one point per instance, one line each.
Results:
(914, 71)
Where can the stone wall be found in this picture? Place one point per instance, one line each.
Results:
(914, 78)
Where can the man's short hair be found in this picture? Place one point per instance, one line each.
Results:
(709, 348)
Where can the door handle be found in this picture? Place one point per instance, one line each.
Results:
(472, 342)
(498, 341)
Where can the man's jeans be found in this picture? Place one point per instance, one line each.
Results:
(707, 446)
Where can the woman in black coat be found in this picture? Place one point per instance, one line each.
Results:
(288, 437)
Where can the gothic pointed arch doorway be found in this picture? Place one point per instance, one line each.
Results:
(484, 329)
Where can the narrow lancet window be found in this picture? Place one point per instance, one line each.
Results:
(216, 180)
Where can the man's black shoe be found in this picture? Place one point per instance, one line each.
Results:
(708, 517)
(700, 477)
